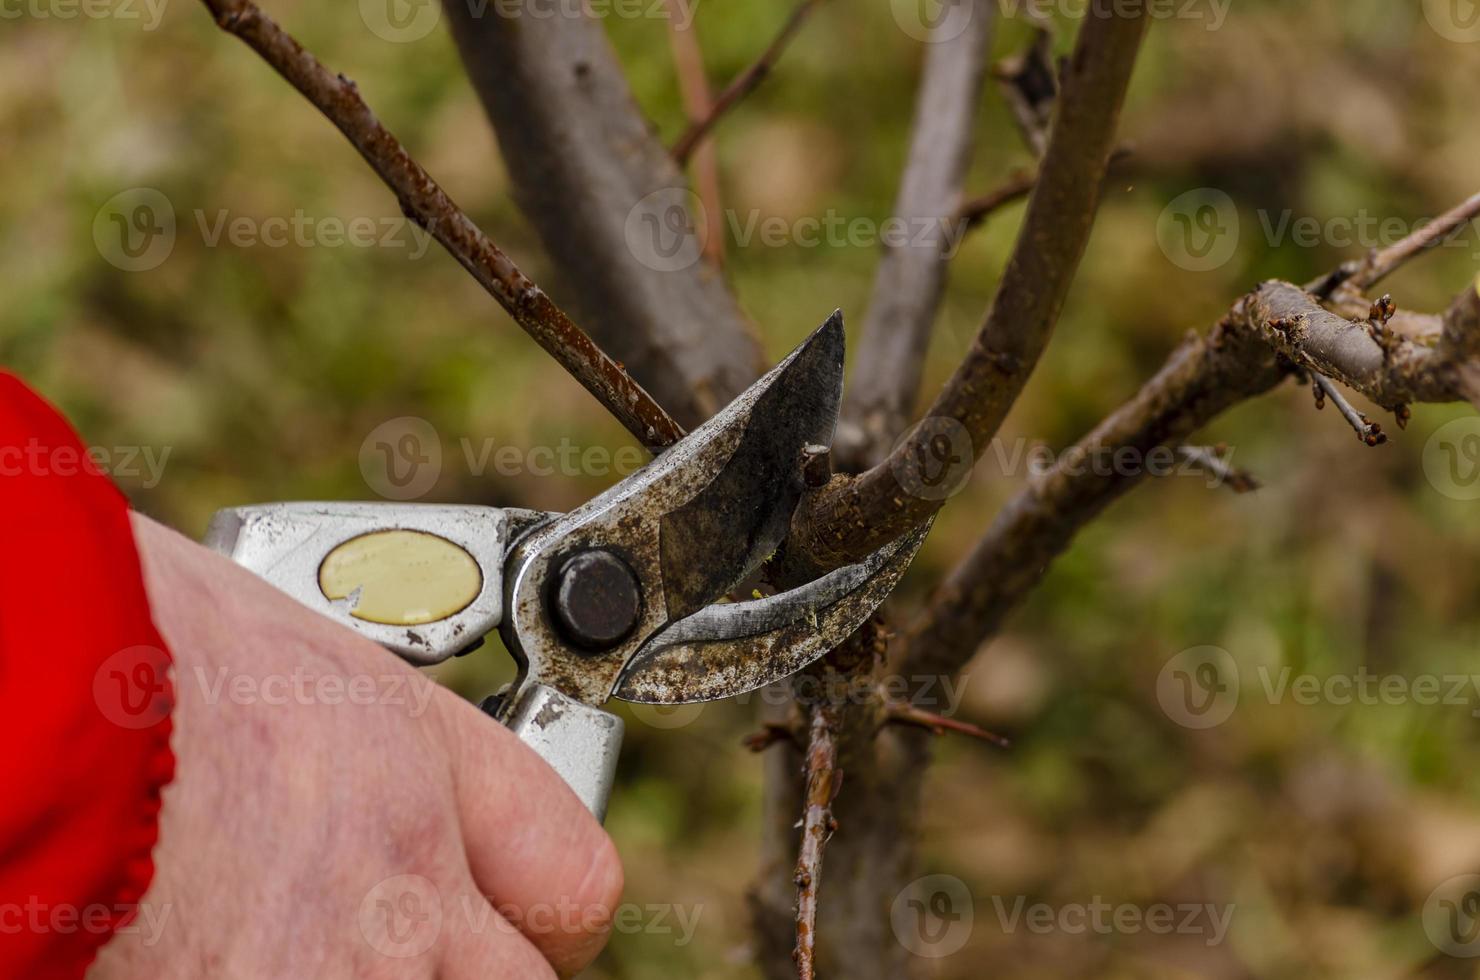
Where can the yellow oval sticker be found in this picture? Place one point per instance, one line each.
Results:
(404, 578)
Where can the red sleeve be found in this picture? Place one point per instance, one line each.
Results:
(85, 700)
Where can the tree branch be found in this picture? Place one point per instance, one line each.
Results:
(1294, 324)
(743, 83)
(1274, 330)
(1203, 377)
(609, 204)
(1380, 264)
(824, 779)
(424, 202)
(850, 518)
(912, 275)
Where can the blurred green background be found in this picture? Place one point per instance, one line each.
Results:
(261, 370)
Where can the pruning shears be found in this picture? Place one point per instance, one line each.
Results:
(623, 597)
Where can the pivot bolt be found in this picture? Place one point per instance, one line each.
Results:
(597, 600)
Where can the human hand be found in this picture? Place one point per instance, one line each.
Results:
(336, 814)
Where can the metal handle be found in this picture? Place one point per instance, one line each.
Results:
(579, 741)
(289, 545)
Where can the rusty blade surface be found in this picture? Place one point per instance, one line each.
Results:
(731, 648)
(690, 525)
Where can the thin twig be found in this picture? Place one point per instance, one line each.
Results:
(424, 201)
(824, 779)
(1210, 460)
(698, 102)
(1367, 430)
(904, 713)
(1381, 264)
(1362, 274)
(743, 83)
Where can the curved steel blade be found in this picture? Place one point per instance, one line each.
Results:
(728, 649)
(690, 525)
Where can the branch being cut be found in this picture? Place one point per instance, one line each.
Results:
(743, 83)
(912, 274)
(850, 518)
(824, 779)
(609, 204)
(424, 202)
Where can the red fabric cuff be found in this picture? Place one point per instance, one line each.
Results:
(85, 700)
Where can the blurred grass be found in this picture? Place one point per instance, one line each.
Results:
(262, 370)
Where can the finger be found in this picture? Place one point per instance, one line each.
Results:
(534, 849)
(483, 945)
